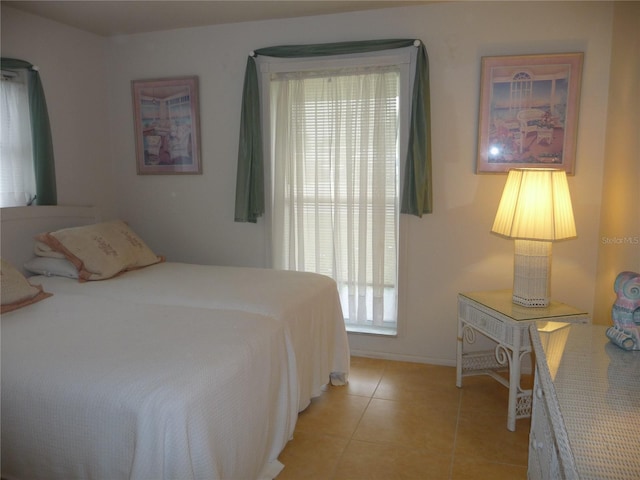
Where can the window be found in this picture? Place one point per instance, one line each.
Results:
(17, 179)
(335, 168)
(521, 92)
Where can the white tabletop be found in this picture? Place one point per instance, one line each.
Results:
(502, 301)
(598, 388)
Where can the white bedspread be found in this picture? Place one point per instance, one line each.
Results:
(307, 303)
(93, 388)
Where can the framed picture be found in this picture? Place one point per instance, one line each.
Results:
(529, 112)
(167, 126)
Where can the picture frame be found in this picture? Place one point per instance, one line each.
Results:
(528, 113)
(167, 126)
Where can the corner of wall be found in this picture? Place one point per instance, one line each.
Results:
(619, 239)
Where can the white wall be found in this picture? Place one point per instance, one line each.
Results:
(190, 218)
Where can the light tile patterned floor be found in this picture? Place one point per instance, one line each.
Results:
(399, 420)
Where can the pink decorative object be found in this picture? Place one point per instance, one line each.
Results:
(626, 312)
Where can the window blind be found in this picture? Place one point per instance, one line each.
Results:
(335, 135)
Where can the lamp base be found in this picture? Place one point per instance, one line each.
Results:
(532, 273)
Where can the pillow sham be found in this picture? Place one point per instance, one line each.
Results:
(102, 250)
(51, 267)
(41, 249)
(15, 289)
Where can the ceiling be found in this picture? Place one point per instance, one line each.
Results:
(116, 17)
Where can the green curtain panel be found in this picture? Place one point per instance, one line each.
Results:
(416, 193)
(45, 171)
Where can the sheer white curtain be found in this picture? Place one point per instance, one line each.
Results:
(17, 181)
(335, 150)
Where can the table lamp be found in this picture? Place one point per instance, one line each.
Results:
(535, 210)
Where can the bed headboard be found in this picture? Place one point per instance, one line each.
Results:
(20, 224)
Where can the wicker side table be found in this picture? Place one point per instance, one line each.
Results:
(494, 315)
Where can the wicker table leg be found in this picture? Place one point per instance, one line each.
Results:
(459, 354)
(514, 382)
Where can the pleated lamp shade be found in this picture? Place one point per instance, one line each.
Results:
(535, 205)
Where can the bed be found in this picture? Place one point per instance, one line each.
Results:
(283, 330)
(307, 304)
(97, 389)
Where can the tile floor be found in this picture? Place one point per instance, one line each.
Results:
(400, 420)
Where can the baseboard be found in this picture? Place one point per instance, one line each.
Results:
(404, 358)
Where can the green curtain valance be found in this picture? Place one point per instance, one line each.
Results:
(416, 194)
(40, 133)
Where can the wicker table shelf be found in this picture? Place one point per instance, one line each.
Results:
(494, 315)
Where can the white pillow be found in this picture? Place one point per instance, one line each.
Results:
(52, 267)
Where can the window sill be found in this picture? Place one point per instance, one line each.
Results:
(369, 330)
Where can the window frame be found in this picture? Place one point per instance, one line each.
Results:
(405, 58)
(19, 78)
